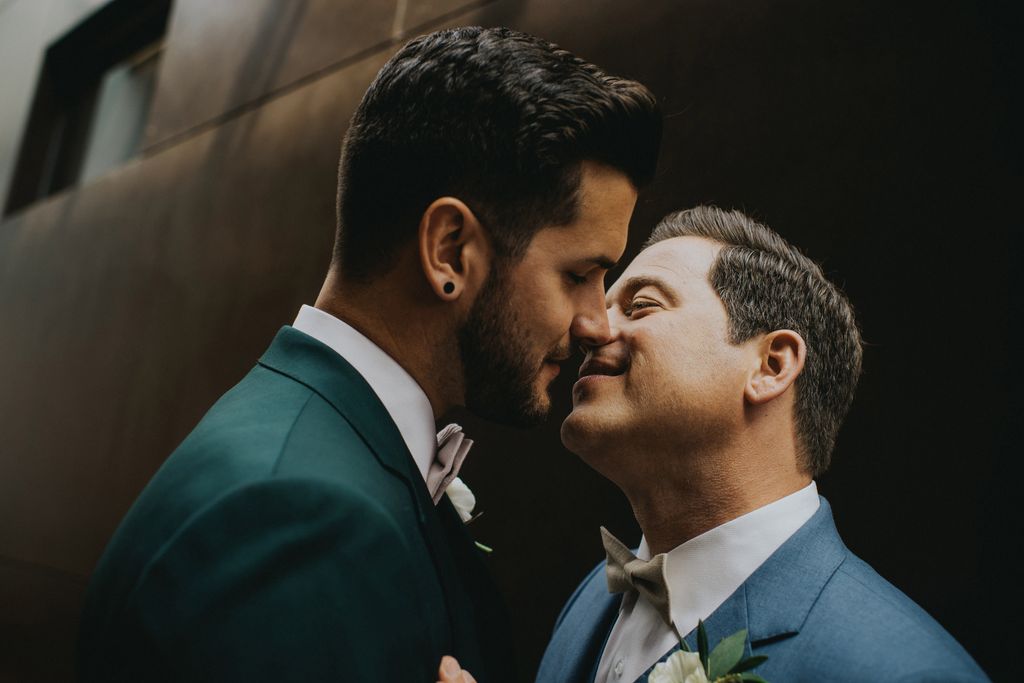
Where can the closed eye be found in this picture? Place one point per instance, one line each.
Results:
(637, 305)
(576, 279)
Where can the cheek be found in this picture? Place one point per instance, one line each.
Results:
(551, 316)
(674, 361)
(543, 314)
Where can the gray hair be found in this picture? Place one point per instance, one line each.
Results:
(766, 284)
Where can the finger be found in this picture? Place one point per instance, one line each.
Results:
(449, 671)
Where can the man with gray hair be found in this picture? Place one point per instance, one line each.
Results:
(717, 401)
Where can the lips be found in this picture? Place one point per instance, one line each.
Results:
(601, 366)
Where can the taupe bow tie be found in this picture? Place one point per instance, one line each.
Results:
(452, 447)
(628, 574)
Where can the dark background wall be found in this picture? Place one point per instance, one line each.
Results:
(879, 136)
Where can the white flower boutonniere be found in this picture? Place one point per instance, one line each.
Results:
(464, 501)
(725, 664)
(681, 667)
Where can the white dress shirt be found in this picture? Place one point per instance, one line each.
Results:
(403, 398)
(701, 574)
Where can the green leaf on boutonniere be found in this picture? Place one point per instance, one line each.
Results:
(726, 655)
(748, 664)
(483, 547)
(702, 646)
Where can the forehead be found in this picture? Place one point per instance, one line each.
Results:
(682, 262)
(606, 200)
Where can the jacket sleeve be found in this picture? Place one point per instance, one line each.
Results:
(285, 580)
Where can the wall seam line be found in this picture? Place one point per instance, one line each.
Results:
(299, 83)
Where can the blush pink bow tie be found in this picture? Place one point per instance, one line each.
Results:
(452, 447)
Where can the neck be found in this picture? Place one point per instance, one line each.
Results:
(708, 490)
(411, 336)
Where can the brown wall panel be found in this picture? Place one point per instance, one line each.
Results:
(227, 54)
(143, 296)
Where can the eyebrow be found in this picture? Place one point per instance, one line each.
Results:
(638, 282)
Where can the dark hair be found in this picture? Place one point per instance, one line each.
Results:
(766, 284)
(500, 119)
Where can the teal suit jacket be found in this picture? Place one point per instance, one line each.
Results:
(290, 537)
(815, 609)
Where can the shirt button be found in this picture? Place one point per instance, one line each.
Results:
(618, 668)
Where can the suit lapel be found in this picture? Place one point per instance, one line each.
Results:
(320, 368)
(484, 618)
(781, 593)
(729, 618)
(775, 601)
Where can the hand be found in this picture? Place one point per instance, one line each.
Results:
(451, 672)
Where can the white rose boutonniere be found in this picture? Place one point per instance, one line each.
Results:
(464, 501)
(681, 667)
(725, 664)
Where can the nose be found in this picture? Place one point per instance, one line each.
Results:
(590, 326)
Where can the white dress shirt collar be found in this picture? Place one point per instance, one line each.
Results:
(701, 574)
(403, 398)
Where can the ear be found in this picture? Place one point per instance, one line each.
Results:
(781, 356)
(453, 248)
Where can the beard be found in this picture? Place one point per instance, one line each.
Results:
(498, 363)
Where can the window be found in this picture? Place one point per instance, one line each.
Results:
(92, 100)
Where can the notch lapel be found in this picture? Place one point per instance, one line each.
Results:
(774, 602)
(781, 593)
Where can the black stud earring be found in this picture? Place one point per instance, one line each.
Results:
(449, 288)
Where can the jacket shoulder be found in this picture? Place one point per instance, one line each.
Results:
(590, 588)
(861, 617)
(580, 631)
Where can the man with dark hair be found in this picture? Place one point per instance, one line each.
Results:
(713, 404)
(301, 531)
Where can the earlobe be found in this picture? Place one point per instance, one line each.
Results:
(448, 236)
(781, 357)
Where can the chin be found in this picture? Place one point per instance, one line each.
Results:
(542, 407)
(589, 438)
(541, 398)
(533, 413)
(580, 431)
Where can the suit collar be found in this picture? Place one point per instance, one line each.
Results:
(398, 391)
(315, 365)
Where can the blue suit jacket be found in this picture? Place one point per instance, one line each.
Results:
(815, 609)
